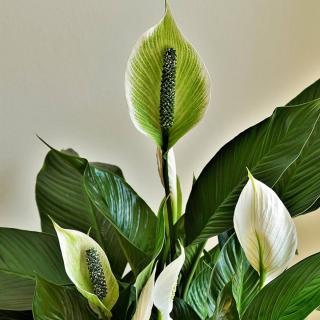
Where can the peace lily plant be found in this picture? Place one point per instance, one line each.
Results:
(104, 254)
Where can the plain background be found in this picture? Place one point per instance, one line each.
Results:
(62, 69)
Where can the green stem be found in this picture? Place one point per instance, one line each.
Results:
(193, 270)
(160, 317)
(165, 172)
(262, 279)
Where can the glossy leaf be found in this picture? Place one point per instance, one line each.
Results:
(60, 194)
(198, 296)
(127, 212)
(265, 229)
(98, 286)
(16, 292)
(233, 266)
(143, 82)
(28, 254)
(59, 303)
(181, 310)
(291, 296)
(166, 284)
(268, 149)
(198, 293)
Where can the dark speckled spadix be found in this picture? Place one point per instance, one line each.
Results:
(96, 273)
(167, 91)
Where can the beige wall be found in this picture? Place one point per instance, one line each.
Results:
(62, 66)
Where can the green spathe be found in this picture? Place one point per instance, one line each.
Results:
(151, 107)
(75, 246)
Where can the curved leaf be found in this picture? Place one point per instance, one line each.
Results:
(291, 296)
(268, 149)
(126, 211)
(59, 303)
(143, 82)
(233, 266)
(60, 194)
(88, 268)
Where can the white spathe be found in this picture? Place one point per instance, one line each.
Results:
(165, 286)
(145, 302)
(265, 229)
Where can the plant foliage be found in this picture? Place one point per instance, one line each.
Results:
(104, 254)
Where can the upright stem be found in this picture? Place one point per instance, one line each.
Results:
(165, 171)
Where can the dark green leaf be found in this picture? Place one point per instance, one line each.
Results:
(59, 303)
(182, 310)
(309, 94)
(299, 186)
(291, 296)
(127, 212)
(15, 315)
(16, 292)
(198, 295)
(60, 194)
(267, 149)
(27, 254)
(233, 266)
(198, 292)
(126, 298)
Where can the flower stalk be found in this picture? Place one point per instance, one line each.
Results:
(167, 101)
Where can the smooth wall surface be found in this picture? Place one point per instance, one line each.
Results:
(62, 69)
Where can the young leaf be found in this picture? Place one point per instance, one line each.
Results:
(167, 85)
(145, 302)
(265, 229)
(88, 268)
(291, 296)
(166, 284)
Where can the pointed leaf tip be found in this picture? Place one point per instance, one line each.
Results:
(265, 229)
